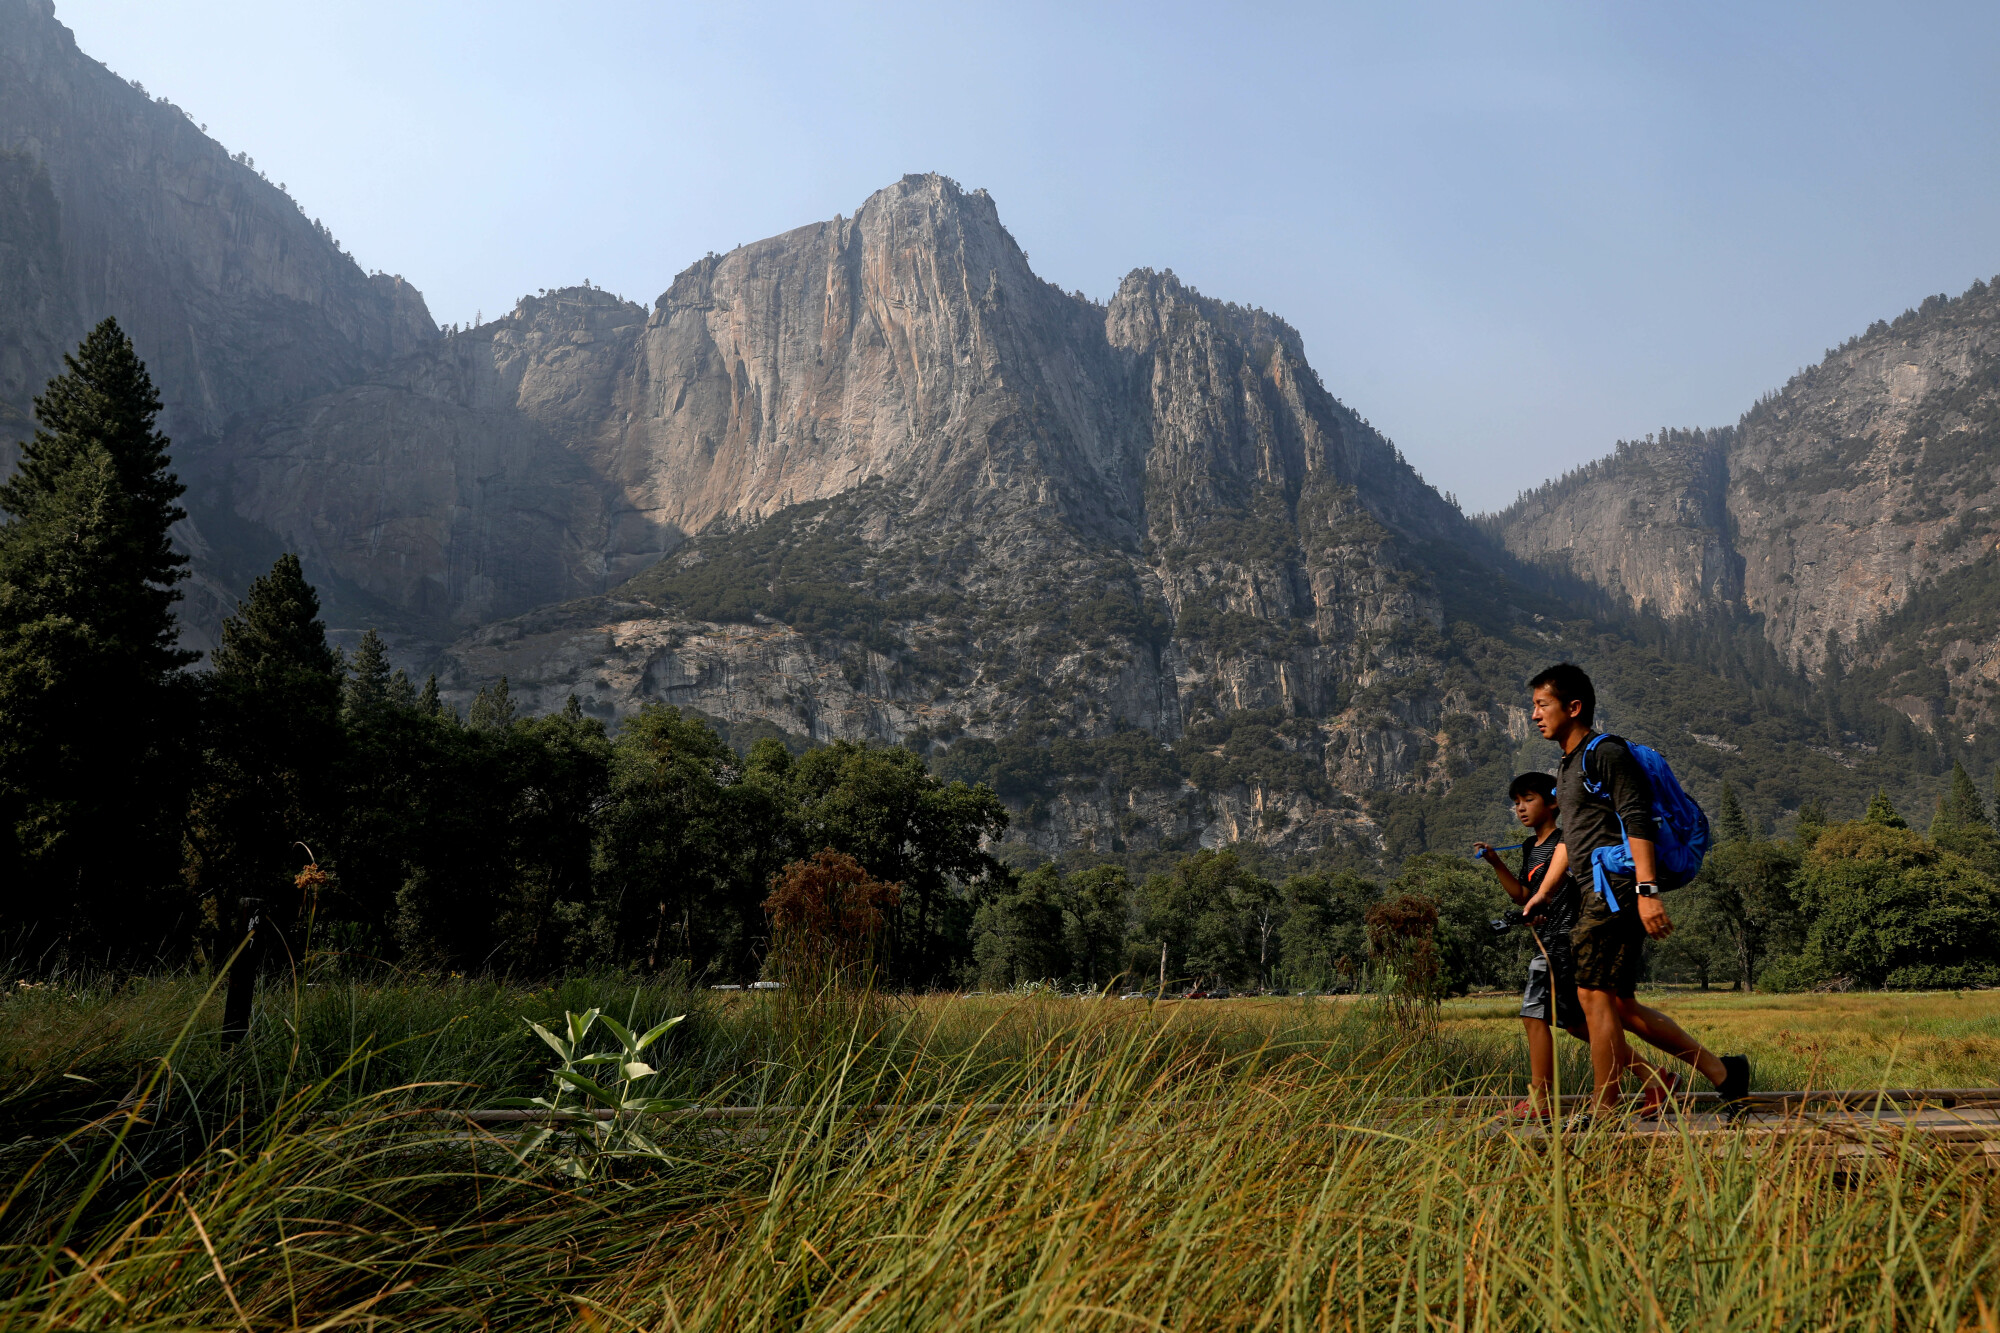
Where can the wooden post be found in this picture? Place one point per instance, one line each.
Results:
(242, 973)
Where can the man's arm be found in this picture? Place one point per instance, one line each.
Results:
(1632, 798)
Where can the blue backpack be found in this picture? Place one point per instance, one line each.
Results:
(1683, 838)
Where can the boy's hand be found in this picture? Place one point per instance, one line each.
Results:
(1485, 852)
(1653, 916)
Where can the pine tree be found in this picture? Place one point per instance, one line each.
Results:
(492, 708)
(276, 635)
(1959, 805)
(1731, 824)
(96, 446)
(272, 741)
(429, 703)
(368, 680)
(92, 698)
(1961, 824)
(1812, 821)
(1881, 812)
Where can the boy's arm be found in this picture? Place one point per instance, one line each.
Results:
(1558, 867)
(1515, 889)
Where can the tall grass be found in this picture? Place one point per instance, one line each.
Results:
(1037, 1163)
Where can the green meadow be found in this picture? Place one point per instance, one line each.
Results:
(1032, 1162)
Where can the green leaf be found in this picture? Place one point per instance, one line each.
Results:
(555, 1042)
(658, 1032)
(580, 1023)
(639, 1069)
(597, 1060)
(658, 1105)
(579, 1081)
(620, 1031)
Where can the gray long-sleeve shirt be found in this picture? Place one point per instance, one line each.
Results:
(1589, 822)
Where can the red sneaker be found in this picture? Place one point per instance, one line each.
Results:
(1524, 1110)
(1659, 1091)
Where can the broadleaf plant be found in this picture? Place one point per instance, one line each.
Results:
(592, 1122)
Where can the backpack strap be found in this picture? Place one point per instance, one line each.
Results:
(1597, 787)
(1601, 789)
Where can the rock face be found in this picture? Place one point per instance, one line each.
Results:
(1823, 510)
(914, 494)
(559, 450)
(873, 479)
(114, 203)
(1650, 524)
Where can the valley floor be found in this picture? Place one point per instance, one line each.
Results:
(1000, 1162)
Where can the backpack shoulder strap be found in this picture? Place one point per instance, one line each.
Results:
(1598, 787)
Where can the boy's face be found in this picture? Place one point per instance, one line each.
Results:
(1532, 809)
(1552, 714)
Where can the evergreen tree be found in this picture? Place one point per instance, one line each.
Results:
(91, 693)
(96, 437)
(1961, 824)
(368, 679)
(429, 703)
(402, 694)
(1959, 805)
(1730, 823)
(272, 746)
(1881, 812)
(1812, 821)
(492, 708)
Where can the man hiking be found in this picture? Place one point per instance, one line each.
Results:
(1609, 937)
(1550, 903)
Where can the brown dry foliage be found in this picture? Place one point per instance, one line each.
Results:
(826, 912)
(1402, 932)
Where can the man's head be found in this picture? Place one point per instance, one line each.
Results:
(1565, 700)
(1534, 798)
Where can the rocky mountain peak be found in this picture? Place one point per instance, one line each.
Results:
(1832, 501)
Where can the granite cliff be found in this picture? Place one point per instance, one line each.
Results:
(874, 479)
(1867, 479)
(113, 202)
(904, 489)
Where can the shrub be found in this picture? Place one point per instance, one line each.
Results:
(1885, 899)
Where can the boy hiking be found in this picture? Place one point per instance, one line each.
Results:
(1550, 903)
(1605, 799)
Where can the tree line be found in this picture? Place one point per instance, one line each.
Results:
(1870, 902)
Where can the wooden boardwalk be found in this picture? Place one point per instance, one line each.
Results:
(1865, 1119)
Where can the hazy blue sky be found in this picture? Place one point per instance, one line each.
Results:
(1509, 233)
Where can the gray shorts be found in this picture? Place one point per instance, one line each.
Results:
(1535, 996)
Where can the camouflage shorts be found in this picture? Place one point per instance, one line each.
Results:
(1609, 947)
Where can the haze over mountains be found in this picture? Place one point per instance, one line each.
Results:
(1133, 563)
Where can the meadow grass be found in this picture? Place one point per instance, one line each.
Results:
(1860, 1039)
(1030, 1163)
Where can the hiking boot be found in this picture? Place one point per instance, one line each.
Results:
(1735, 1085)
(1660, 1090)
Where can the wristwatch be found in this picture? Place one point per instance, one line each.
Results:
(1647, 890)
